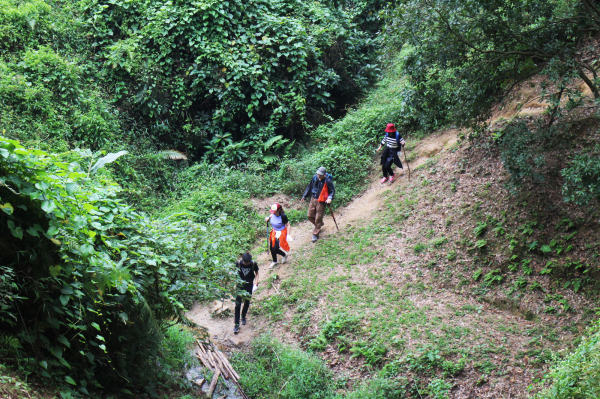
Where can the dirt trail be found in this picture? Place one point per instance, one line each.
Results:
(361, 207)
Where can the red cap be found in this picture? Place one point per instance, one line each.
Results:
(390, 128)
(275, 207)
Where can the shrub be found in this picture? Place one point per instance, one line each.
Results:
(248, 71)
(578, 375)
(98, 279)
(582, 179)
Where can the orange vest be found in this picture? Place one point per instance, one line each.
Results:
(283, 244)
(324, 193)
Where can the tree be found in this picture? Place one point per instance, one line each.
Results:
(484, 47)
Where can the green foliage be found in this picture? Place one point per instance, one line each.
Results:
(419, 247)
(49, 91)
(176, 349)
(373, 352)
(463, 53)
(97, 278)
(578, 375)
(480, 229)
(438, 388)
(338, 325)
(205, 70)
(294, 373)
(8, 287)
(520, 151)
(493, 277)
(382, 387)
(582, 179)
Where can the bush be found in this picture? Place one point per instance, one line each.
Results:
(578, 375)
(176, 350)
(97, 279)
(227, 77)
(582, 179)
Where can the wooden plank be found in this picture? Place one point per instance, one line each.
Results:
(213, 384)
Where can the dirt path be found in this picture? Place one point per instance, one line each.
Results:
(360, 208)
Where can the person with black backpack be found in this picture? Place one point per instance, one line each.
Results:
(391, 155)
(248, 272)
(321, 190)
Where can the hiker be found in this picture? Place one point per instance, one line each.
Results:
(279, 233)
(322, 191)
(391, 155)
(248, 271)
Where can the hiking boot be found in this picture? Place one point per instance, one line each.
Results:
(392, 177)
(384, 180)
(243, 321)
(284, 259)
(314, 238)
(272, 265)
(236, 329)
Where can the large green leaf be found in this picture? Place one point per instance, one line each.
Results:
(107, 159)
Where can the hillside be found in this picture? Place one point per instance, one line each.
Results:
(450, 285)
(142, 142)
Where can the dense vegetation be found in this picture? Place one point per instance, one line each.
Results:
(106, 236)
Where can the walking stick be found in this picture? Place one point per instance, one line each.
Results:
(405, 160)
(267, 237)
(331, 210)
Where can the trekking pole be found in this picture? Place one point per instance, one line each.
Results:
(406, 160)
(331, 210)
(267, 237)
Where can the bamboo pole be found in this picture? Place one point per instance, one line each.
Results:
(201, 346)
(228, 365)
(222, 367)
(212, 359)
(213, 383)
(204, 361)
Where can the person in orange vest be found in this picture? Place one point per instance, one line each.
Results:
(322, 192)
(279, 234)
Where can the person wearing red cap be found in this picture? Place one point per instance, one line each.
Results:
(391, 155)
(280, 231)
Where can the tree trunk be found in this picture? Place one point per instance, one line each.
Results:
(590, 84)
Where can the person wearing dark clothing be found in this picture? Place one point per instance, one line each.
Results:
(393, 142)
(280, 232)
(322, 191)
(248, 272)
